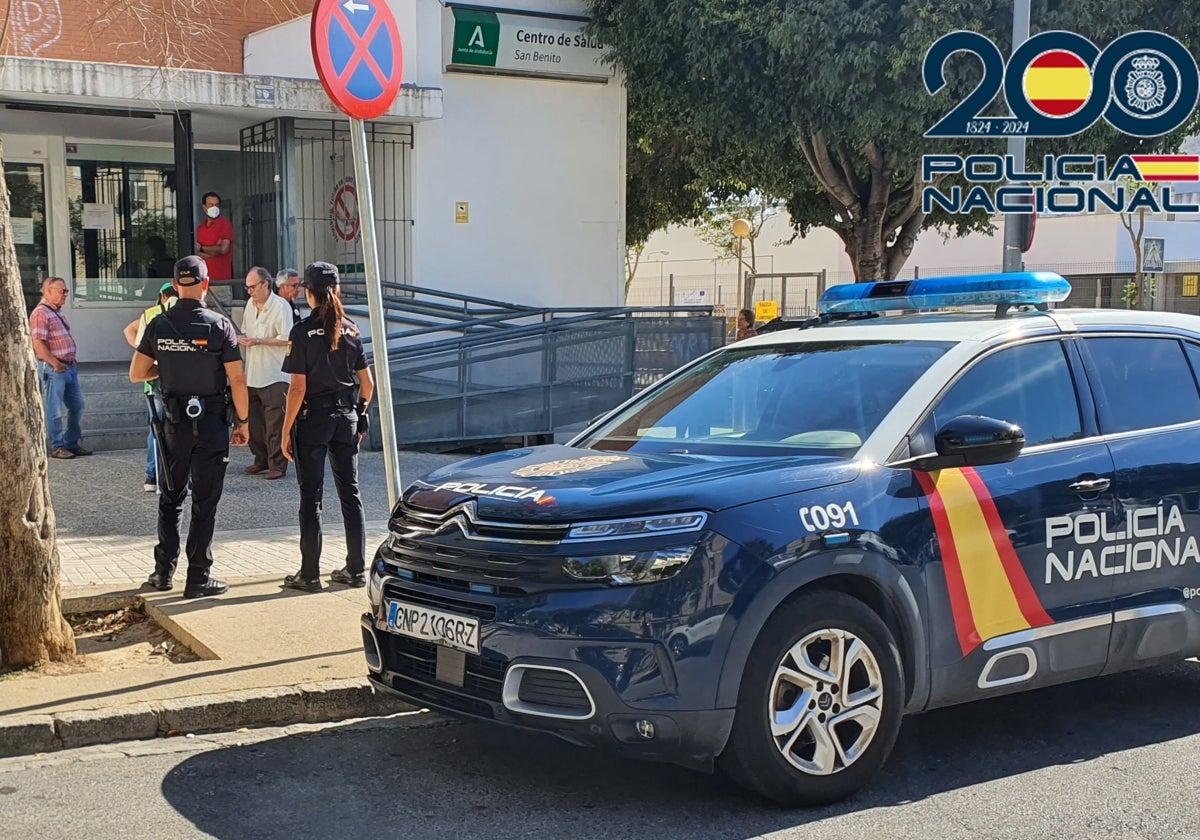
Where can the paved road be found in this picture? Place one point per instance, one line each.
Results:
(1114, 757)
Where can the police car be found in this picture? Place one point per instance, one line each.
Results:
(768, 558)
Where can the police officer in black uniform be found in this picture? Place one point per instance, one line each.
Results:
(323, 418)
(194, 355)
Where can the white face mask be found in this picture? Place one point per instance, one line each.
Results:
(213, 212)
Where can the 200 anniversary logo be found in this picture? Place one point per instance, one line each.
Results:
(1058, 84)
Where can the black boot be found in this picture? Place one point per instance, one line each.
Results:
(160, 581)
(212, 586)
(297, 581)
(356, 579)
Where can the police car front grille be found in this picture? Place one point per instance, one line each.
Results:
(440, 601)
(412, 521)
(417, 660)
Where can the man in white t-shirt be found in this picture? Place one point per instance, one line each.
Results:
(266, 322)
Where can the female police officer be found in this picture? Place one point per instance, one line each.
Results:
(325, 357)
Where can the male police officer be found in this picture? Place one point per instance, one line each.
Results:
(194, 354)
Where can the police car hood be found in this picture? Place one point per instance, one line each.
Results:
(558, 483)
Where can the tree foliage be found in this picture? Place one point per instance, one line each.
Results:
(823, 103)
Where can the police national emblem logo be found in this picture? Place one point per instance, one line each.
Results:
(569, 466)
(1146, 84)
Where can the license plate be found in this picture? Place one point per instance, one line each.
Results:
(417, 622)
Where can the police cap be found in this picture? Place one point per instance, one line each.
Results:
(190, 270)
(319, 276)
(168, 289)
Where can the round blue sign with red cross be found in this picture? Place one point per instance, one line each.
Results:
(356, 47)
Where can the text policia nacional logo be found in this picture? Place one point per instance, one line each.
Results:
(1058, 84)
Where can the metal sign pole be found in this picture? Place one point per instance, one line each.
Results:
(1011, 259)
(379, 344)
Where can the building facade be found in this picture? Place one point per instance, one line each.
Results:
(498, 171)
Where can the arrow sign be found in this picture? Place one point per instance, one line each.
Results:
(359, 58)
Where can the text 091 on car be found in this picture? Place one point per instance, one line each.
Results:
(934, 491)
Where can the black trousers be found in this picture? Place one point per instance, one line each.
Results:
(332, 433)
(199, 452)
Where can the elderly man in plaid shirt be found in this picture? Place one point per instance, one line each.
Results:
(55, 349)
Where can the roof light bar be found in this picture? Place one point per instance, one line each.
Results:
(1022, 288)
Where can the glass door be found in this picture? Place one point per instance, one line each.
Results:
(27, 198)
(122, 229)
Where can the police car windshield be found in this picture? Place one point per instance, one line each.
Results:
(817, 398)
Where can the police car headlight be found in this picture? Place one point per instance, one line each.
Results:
(676, 523)
(631, 567)
(375, 584)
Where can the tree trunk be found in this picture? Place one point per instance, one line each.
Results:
(32, 628)
(877, 220)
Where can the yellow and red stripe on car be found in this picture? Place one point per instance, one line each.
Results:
(990, 594)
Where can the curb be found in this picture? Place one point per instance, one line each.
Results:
(317, 702)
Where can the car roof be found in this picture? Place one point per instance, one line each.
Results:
(977, 326)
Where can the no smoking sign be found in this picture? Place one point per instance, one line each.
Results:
(343, 211)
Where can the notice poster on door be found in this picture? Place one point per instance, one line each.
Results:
(99, 217)
(22, 231)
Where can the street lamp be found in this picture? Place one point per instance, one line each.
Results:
(741, 230)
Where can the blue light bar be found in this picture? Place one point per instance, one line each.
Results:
(1013, 289)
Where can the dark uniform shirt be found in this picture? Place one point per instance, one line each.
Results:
(191, 345)
(327, 373)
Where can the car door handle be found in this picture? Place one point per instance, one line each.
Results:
(1090, 485)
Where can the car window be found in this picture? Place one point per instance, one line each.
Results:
(1141, 383)
(817, 398)
(1029, 385)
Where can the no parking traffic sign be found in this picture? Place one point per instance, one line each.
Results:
(356, 47)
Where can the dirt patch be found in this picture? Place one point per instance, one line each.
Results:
(113, 640)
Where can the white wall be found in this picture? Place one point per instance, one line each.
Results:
(284, 50)
(541, 165)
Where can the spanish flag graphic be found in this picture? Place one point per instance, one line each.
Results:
(990, 594)
(1057, 83)
(1167, 167)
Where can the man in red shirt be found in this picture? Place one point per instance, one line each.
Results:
(59, 377)
(214, 240)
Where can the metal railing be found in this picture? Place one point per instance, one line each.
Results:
(468, 369)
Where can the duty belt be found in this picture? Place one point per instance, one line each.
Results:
(189, 407)
(338, 399)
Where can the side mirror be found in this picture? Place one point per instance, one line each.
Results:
(972, 441)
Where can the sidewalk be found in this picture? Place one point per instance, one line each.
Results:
(268, 655)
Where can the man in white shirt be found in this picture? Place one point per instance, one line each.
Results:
(266, 322)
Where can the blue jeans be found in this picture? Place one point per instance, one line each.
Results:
(60, 392)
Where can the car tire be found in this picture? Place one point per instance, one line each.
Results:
(794, 739)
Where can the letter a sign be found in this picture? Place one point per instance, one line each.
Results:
(356, 47)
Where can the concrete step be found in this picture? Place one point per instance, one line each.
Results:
(114, 421)
(103, 401)
(111, 441)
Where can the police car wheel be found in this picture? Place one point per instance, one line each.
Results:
(820, 703)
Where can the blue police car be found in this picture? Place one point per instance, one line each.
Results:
(768, 558)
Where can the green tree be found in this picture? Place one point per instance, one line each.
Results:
(716, 228)
(823, 102)
(1135, 225)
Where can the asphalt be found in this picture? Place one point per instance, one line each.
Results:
(267, 655)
